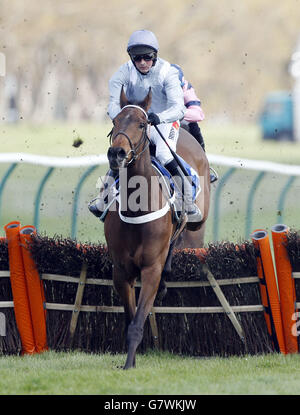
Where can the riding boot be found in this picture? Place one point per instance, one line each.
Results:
(194, 129)
(185, 187)
(98, 205)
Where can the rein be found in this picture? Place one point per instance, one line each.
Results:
(149, 217)
(142, 140)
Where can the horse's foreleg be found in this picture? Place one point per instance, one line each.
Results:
(150, 278)
(126, 292)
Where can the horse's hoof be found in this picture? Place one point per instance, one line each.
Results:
(128, 366)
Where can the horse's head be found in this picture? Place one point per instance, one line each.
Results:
(129, 134)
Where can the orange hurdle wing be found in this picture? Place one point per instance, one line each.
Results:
(286, 285)
(19, 289)
(35, 291)
(260, 238)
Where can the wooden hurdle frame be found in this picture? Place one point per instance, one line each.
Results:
(279, 328)
(81, 282)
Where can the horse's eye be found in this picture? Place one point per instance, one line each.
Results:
(142, 125)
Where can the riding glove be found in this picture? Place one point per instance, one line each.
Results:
(153, 119)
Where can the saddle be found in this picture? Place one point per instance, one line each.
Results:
(175, 197)
(191, 172)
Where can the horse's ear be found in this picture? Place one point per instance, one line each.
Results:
(123, 99)
(146, 104)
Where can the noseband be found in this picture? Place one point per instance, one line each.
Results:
(142, 140)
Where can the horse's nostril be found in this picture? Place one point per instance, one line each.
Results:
(110, 152)
(121, 153)
(116, 155)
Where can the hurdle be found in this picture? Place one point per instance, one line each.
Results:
(251, 303)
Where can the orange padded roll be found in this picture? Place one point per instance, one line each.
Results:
(19, 289)
(260, 238)
(263, 292)
(200, 253)
(35, 291)
(286, 285)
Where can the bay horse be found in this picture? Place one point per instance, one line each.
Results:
(140, 250)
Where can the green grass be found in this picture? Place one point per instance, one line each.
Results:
(245, 141)
(55, 211)
(236, 140)
(156, 374)
(56, 207)
(54, 139)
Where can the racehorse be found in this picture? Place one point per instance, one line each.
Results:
(140, 250)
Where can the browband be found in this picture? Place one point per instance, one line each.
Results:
(135, 106)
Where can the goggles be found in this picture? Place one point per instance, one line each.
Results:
(147, 57)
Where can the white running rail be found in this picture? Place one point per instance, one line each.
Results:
(91, 160)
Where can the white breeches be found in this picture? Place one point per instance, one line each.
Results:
(170, 132)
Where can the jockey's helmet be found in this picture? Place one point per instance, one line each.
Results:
(143, 42)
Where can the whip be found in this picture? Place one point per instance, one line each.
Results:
(179, 162)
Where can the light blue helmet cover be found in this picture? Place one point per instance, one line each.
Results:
(143, 38)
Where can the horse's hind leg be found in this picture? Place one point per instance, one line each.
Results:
(150, 278)
(192, 239)
(162, 288)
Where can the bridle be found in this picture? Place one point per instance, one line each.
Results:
(142, 140)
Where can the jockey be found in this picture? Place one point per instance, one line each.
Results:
(193, 114)
(145, 69)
